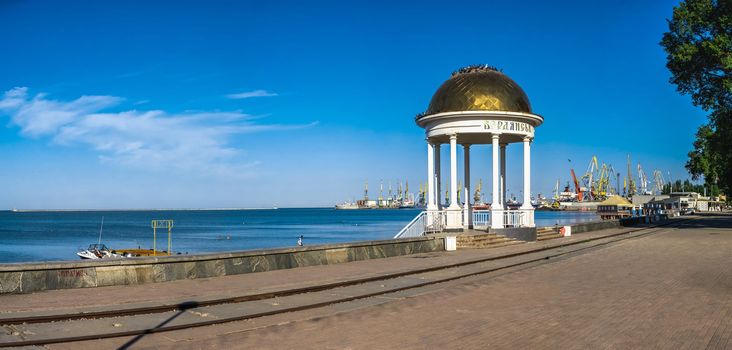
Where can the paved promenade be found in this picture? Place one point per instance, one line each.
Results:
(672, 289)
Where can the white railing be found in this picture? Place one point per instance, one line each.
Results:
(481, 219)
(414, 228)
(425, 222)
(435, 221)
(514, 218)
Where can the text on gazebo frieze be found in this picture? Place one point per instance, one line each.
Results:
(508, 126)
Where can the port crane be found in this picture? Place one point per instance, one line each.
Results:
(477, 194)
(421, 201)
(643, 181)
(588, 185)
(613, 190)
(381, 192)
(460, 190)
(577, 187)
(629, 183)
(603, 181)
(658, 182)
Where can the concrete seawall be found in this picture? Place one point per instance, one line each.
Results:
(606, 224)
(595, 225)
(32, 277)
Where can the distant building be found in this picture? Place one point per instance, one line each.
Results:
(678, 203)
(615, 207)
(639, 200)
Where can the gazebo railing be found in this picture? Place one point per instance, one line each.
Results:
(414, 228)
(425, 222)
(514, 218)
(435, 221)
(481, 219)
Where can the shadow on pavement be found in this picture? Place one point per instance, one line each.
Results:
(709, 220)
(182, 307)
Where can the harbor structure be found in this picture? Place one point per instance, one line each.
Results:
(478, 105)
(402, 198)
(601, 182)
(615, 207)
(678, 203)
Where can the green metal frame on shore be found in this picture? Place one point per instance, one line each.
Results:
(156, 224)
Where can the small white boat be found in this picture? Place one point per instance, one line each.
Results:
(97, 251)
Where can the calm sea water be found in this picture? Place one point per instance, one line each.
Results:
(43, 236)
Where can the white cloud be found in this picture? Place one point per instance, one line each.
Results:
(250, 94)
(196, 141)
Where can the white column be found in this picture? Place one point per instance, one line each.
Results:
(527, 174)
(438, 178)
(431, 200)
(467, 207)
(526, 206)
(453, 173)
(496, 209)
(454, 214)
(503, 177)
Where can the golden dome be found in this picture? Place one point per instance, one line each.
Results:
(479, 88)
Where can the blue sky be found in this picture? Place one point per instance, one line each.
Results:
(140, 104)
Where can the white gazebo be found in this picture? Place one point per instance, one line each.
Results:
(478, 105)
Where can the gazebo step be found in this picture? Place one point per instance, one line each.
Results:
(545, 233)
(495, 245)
(487, 240)
(480, 240)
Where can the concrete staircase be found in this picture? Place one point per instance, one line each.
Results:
(485, 240)
(545, 233)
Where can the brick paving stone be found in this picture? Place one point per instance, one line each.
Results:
(671, 290)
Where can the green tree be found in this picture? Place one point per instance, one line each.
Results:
(703, 160)
(699, 56)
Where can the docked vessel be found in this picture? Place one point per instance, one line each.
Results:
(539, 201)
(97, 251)
(347, 206)
(407, 203)
(101, 251)
(512, 203)
(481, 206)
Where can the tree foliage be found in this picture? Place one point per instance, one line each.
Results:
(699, 48)
(687, 186)
(702, 159)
